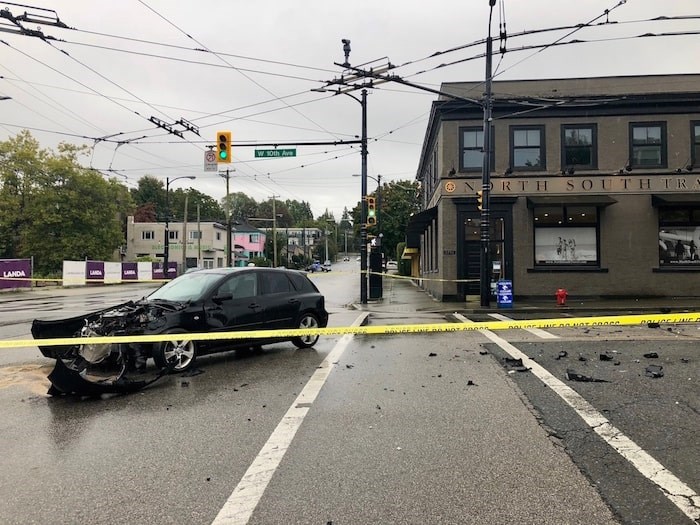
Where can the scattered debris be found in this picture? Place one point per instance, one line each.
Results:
(581, 357)
(515, 364)
(685, 360)
(349, 366)
(654, 371)
(605, 357)
(432, 354)
(192, 372)
(572, 375)
(651, 355)
(471, 383)
(483, 352)
(562, 354)
(185, 384)
(653, 325)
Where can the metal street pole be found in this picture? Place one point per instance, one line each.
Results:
(363, 217)
(485, 259)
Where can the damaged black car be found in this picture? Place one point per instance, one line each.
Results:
(206, 301)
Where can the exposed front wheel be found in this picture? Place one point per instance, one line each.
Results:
(177, 356)
(308, 320)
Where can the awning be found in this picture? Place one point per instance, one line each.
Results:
(409, 252)
(676, 199)
(417, 224)
(570, 200)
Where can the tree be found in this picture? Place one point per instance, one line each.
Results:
(399, 201)
(53, 209)
(241, 206)
(300, 211)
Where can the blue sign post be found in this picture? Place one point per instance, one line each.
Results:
(504, 293)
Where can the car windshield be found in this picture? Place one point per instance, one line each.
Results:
(187, 287)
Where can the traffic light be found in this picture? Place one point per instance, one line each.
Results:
(480, 200)
(371, 211)
(223, 146)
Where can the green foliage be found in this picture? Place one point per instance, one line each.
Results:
(53, 209)
(397, 202)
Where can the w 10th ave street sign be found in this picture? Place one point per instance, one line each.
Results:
(275, 153)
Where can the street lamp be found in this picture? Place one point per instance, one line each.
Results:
(166, 247)
(363, 213)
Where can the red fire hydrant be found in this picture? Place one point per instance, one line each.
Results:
(561, 296)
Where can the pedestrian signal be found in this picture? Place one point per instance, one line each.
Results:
(223, 146)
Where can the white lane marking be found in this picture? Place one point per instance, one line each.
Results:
(543, 334)
(680, 494)
(245, 497)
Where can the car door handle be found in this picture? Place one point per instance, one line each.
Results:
(293, 301)
(253, 306)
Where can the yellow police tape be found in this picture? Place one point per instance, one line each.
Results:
(575, 322)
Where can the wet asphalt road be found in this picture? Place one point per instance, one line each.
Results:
(396, 435)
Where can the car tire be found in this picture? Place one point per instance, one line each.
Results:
(177, 356)
(307, 320)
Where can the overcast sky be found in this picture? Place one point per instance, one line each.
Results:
(249, 67)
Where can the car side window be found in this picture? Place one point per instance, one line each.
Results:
(276, 282)
(241, 286)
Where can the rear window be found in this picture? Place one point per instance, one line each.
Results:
(276, 282)
(301, 282)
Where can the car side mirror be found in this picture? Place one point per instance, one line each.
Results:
(220, 298)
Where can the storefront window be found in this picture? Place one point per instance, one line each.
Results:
(679, 237)
(566, 235)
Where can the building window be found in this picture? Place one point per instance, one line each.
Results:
(472, 147)
(527, 151)
(218, 236)
(694, 144)
(254, 238)
(566, 235)
(173, 235)
(579, 146)
(648, 145)
(207, 263)
(148, 235)
(679, 236)
(195, 235)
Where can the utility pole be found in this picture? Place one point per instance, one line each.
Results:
(199, 239)
(485, 255)
(363, 217)
(184, 236)
(229, 263)
(274, 231)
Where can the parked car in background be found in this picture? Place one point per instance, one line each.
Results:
(314, 267)
(346, 258)
(392, 265)
(205, 301)
(326, 266)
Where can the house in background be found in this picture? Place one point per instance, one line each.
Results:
(594, 188)
(204, 244)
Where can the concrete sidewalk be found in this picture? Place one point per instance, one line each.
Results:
(401, 294)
